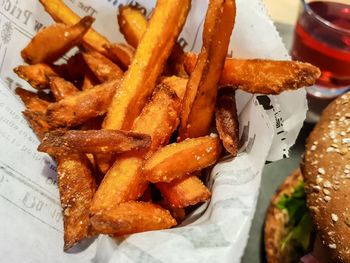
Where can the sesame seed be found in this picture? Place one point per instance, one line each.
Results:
(327, 198)
(313, 147)
(213, 135)
(327, 184)
(330, 149)
(326, 192)
(345, 140)
(342, 133)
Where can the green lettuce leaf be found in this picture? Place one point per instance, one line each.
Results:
(300, 223)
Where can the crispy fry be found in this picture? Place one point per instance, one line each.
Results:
(120, 53)
(36, 75)
(176, 62)
(62, 88)
(159, 119)
(62, 14)
(184, 192)
(262, 76)
(32, 101)
(151, 54)
(180, 159)
(92, 141)
(102, 67)
(132, 24)
(227, 120)
(83, 106)
(176, 212)
(132, 217)
(90, 80)
(54, 41)
(77, 187)
(37, 122)
(202, 86)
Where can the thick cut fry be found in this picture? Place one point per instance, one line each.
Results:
(202, 86)
(262, 76)
(227, 120)
(180, 159)
(62, 14)
(151, 55)
(132, 24)
(102, 67)
(132, 217)
(83, 106)
(75, 68)
(62, 88)
(178, 213)
(37, 122)
(54, 41)
(36, 75)
(77, 187)
(32, 101)
(184, 192)
(92, 141)
(121, 53)
(124, 180)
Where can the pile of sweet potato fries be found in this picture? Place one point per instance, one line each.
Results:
(128, 123)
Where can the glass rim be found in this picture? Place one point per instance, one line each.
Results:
(321, 19)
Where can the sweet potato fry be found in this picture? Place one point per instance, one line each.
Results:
(132, 24)
(75, 68)
(151, 55)
(61, 88)
(184, 191)
(36, 75)
(83, 106)
(132, 217)
(37, 122)
(178, 213)
(262, 76)
(54, 41)
(121, 54)
(92, 141)
(32, 101)
(159, 119)
(90, 80)
(62, 14)
(102, 67)
(227, 120)
(180, 159)
(202, 86)
(77, 187)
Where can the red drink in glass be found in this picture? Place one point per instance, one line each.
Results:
(322, 38)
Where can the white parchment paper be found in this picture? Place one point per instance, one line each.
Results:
(30, 213)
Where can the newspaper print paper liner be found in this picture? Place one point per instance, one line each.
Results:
(218, 230)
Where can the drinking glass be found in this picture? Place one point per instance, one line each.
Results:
(322, 38)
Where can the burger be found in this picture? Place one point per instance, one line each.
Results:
(308, 219)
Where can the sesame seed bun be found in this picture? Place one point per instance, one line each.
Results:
(326, 171)
(276, 222)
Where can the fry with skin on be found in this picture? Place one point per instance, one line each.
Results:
(184, 191)
(120, 53)
(54, 41)
(82, 106)
(36, 75)
(61, 13)
(227, 120)
(75, 68)
(159, 118)
(151, 55)
(132, 217)
(61, 88)
(199, 103)
(261, 75)
(180, 159)
(77, 187)
(37, 122)
(103, 68)
(90, 80)
(32, 101)
(92, 141)
(132, 24)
